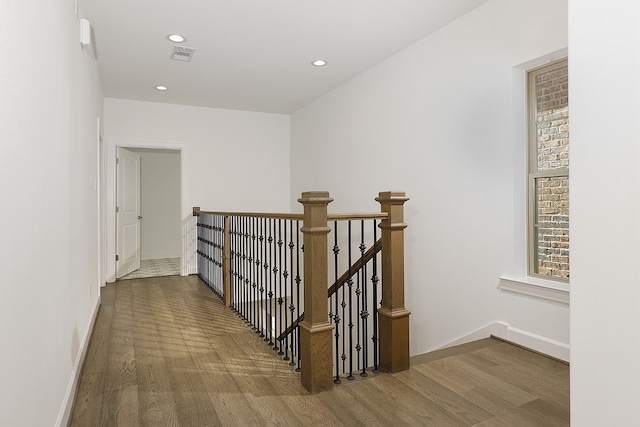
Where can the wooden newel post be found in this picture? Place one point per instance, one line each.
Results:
(315, 329)
(393, 317)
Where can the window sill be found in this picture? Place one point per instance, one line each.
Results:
(535, 287)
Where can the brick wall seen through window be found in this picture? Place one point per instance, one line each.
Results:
(549, 171)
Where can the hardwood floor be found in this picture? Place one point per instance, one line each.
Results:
(166, 352)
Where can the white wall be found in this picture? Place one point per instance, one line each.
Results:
(160, 228)
(437, 121)
(604, 70)
(234, 160)
(231, 160)
(49, 221)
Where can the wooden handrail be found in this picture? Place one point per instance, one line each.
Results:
(356, 216)
(290, 216)
(377, 247)
(298, 217)
(290, 328)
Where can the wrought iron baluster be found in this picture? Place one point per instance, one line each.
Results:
(232, 281)
(206, 249)
(221, 253)
(229, 242)
(206, 257)
(231, 265)
(364, 314)
(247, 269)
(237, 262)
(375, 303)
(336, 316)
(239, 277)
(270, 294)
(350, 377)
(201, 263)
(343, 305)
(209, 257)
(263, 307)
(253, 262)
(239, 267)
(203, 250)
(285, 275)
(292, 307)
(210, 232)
(298, 280)
(217, 229)
(245, 280)
(238, 271)
(210, 254)
(256, 272)
(215, 265)
(358, 336)
(205, 234)
(198, 243)
(198, 246)
(277, 271)
(236, 257)
(260, 277)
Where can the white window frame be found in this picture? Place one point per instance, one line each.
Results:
(515, 280)
(533, 173)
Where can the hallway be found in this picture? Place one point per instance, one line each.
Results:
(166, 352)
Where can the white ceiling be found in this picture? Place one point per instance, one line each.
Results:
(252, 54)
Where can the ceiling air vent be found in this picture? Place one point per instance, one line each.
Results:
(183, 54)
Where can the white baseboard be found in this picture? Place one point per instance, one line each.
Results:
(541, 344)
(501, 330)
(69, 398)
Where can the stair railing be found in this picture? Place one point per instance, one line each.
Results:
(274, 271)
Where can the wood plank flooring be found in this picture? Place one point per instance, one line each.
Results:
(166, 352)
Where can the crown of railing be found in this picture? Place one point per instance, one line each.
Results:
(258, 264)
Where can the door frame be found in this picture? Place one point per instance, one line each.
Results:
(112, 144)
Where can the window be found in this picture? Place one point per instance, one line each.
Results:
(548, 192)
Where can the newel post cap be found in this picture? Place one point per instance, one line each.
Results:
(392, 197)
(315, 198)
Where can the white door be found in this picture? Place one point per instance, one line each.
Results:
(127, 212)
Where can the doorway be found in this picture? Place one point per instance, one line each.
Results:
(160, 229)
(161, 242)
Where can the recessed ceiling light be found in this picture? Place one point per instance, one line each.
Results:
(176, 38)
(163, 88)
(319, 63)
